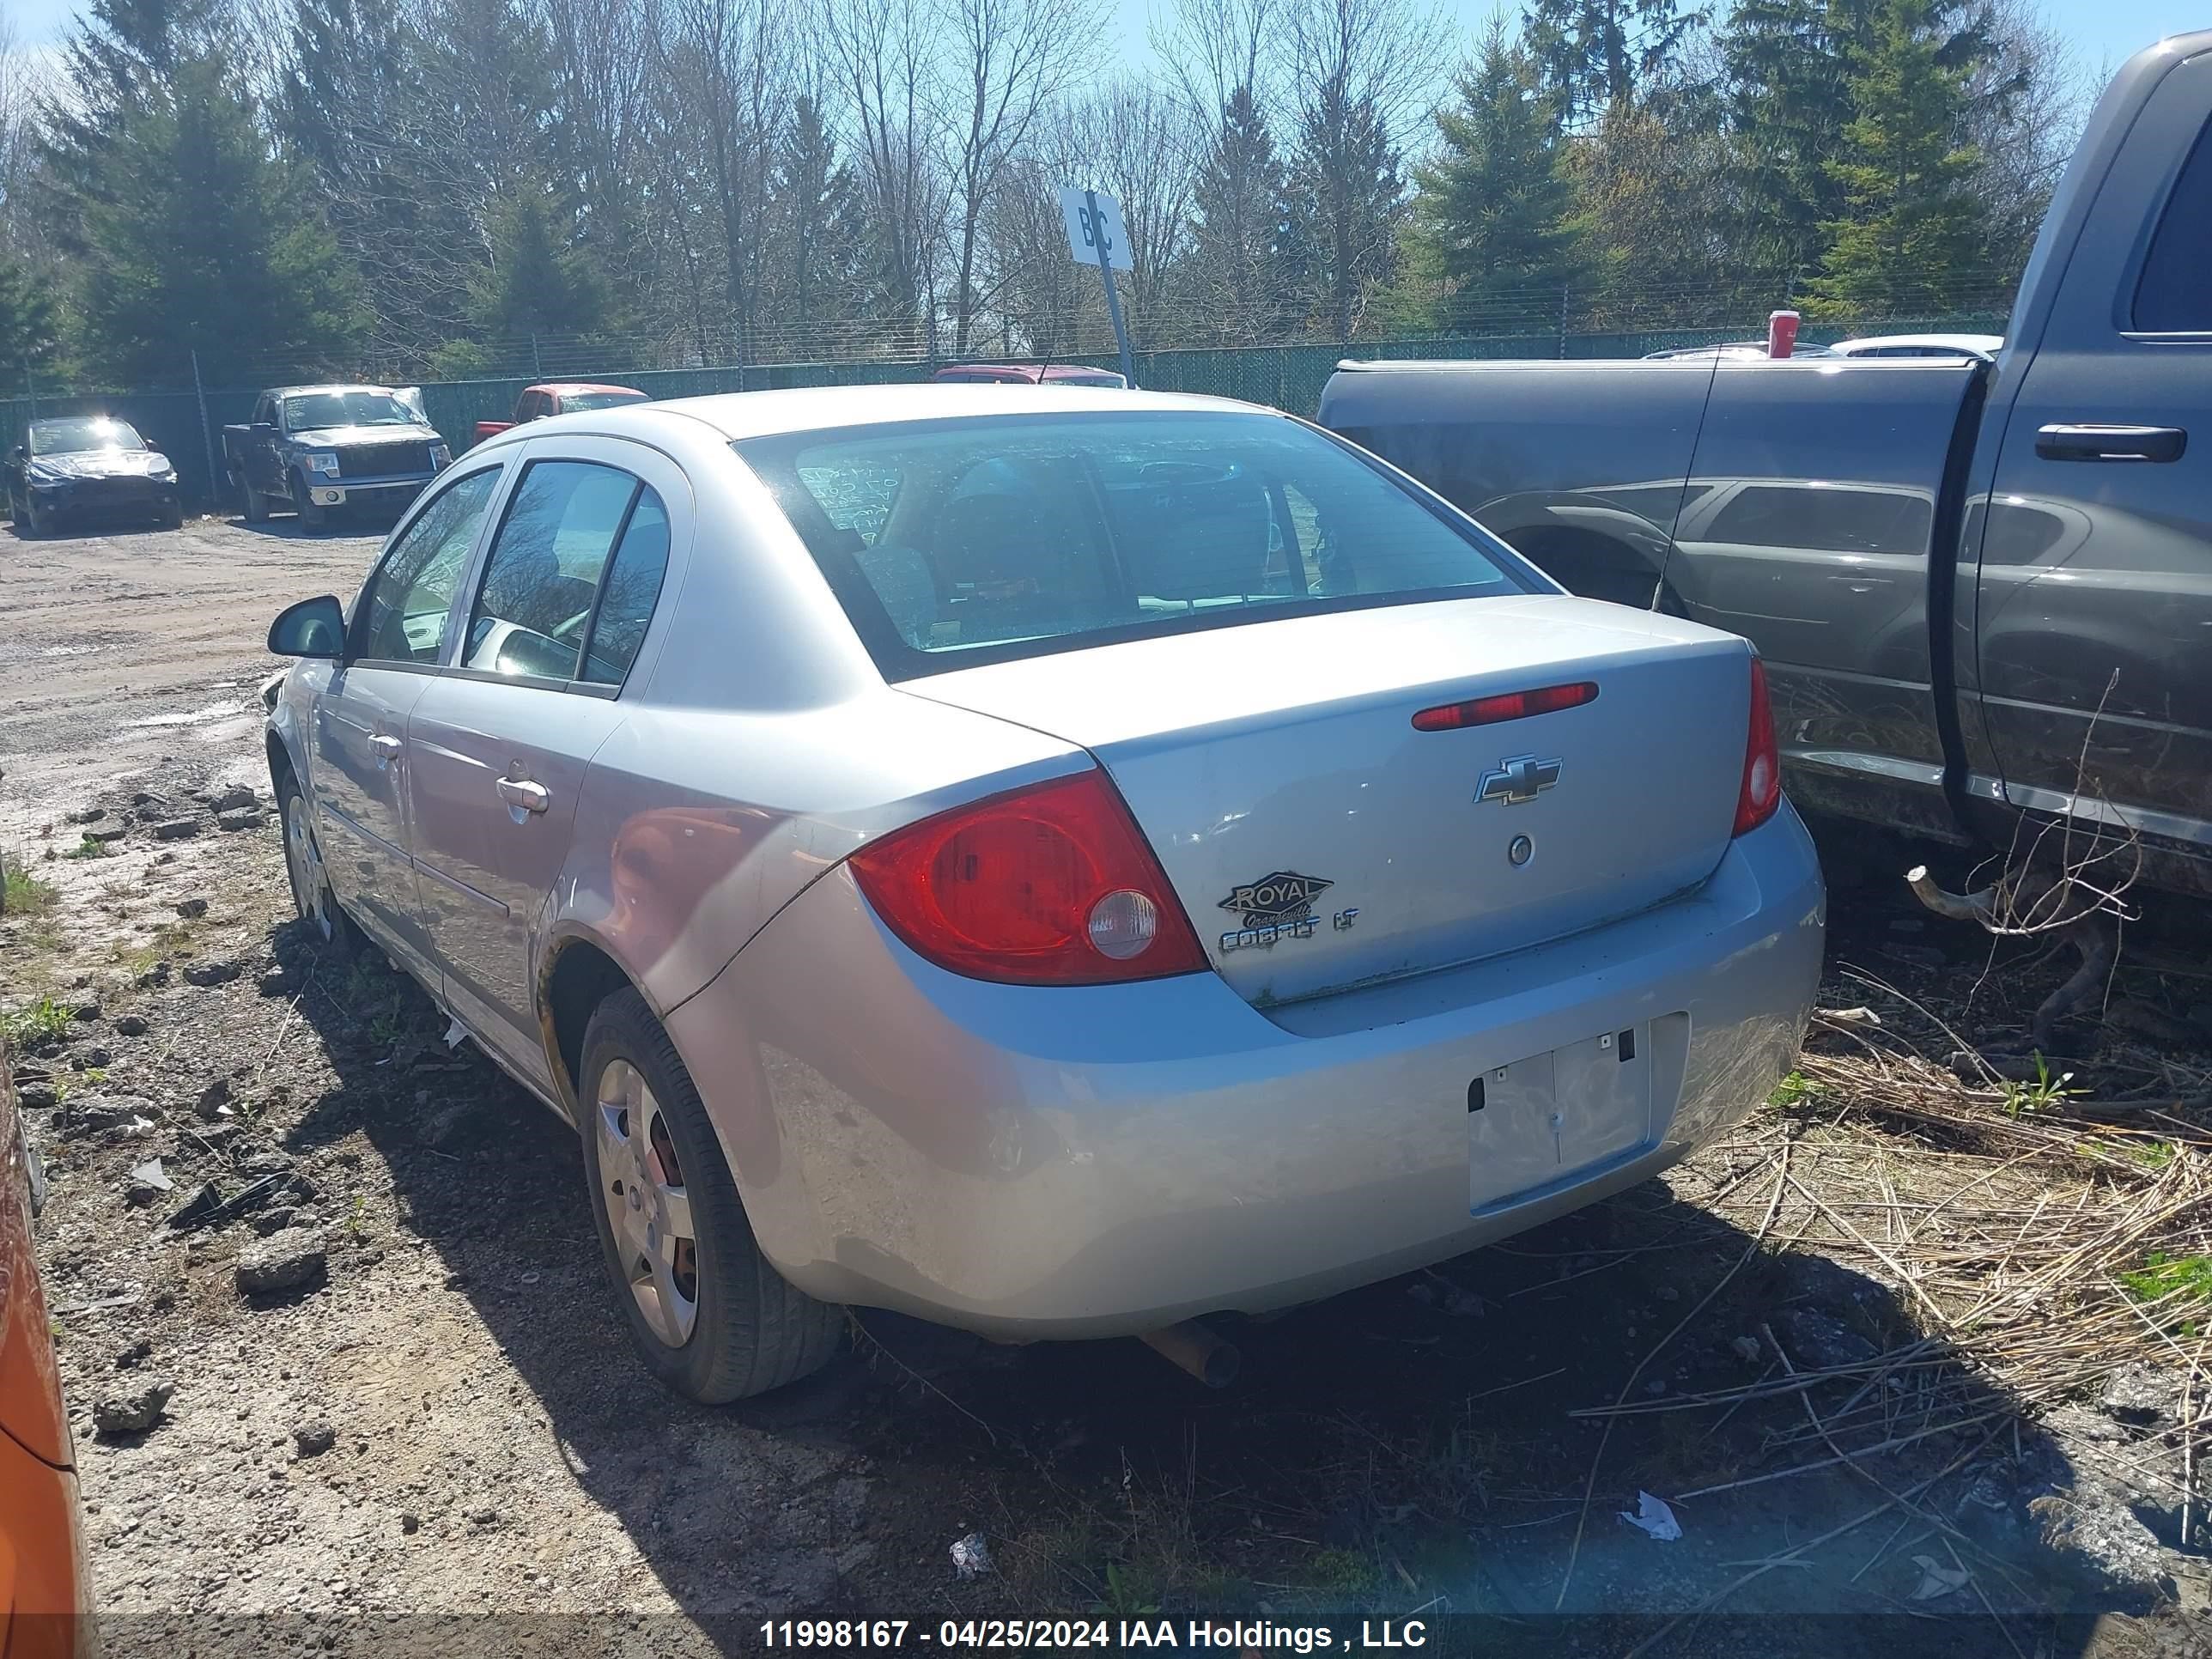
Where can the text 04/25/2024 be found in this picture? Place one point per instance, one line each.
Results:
(971, 1635)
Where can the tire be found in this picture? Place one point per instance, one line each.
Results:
(748, 1330)
(314, 902)
(251, 506)
(31, 524)
(172, 516)
(311, 517)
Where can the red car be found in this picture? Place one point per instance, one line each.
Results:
(560, 398)
(1028, 374)
(45, 1609)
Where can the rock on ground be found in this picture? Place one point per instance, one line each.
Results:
(132, 1414)
(283, 1262)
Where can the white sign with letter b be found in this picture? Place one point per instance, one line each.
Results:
(1085, 234)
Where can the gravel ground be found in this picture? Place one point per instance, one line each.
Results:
(401, 1415)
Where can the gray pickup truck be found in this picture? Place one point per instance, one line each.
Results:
(1982, 590)
(310, 449)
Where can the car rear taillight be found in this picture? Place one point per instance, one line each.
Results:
(1049, 885)
(1505, 706)
(1762, 762)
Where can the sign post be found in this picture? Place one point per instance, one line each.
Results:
(1095, 232)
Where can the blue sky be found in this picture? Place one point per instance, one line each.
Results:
(2099, 29)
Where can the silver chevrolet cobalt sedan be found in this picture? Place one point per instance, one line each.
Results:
(1059, 870)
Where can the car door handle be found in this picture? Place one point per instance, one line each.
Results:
(2110, 443)
(522, 793)
(386, 746)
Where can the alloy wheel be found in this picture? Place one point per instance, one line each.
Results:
(303, 862)
(647, 1208)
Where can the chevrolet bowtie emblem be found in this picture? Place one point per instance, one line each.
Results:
(1518, 781)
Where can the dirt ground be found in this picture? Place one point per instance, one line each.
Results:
(436, 1440)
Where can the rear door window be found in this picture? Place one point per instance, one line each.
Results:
(627, 595)
(955, 541)
(2174, 296)
(541, 584)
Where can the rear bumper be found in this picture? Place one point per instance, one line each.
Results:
(1048, 1162)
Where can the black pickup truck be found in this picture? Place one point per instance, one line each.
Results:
(1982, 590)
(309, 449)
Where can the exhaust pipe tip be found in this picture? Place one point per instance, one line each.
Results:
(1195, 1349)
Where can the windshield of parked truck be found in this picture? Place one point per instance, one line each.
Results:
(74, 433)
(958, 541)
(313, 410)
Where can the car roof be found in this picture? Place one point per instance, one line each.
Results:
(335, 385)
(1745, 348)
(1986, 344)
(739, 414)
(580, 385)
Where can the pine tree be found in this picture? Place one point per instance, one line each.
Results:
(822, 256)
(1648, 190)
(1592, 56)
(354, 108)
(1912, 236)
(121, 62)
(1348, 199)
(1237, 259)
(539, 283)
(1789, 102)
(195, 239)
(27, 320)
(1495, 206)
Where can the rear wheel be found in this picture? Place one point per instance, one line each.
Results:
(312, 516)
(710, 1316)
(314, 899)
(251, 506)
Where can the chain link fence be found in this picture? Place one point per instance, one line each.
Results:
(187, 425)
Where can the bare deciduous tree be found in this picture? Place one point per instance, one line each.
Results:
(732, 66)
(18, 105)
(1140, 143)
(886, 53)
(1362, 75)
(1009, 59)
(1212, 47)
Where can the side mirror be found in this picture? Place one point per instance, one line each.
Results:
(313, 628)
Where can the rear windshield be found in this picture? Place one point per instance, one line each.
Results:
(954, 542)
(574, 402)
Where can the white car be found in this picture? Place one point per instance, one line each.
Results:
(1057, 866)
(1983, 346)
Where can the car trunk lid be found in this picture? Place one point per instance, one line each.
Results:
(1319, 841)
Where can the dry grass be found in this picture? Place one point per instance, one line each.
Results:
(2040, 1236)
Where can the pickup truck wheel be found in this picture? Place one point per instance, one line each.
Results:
(312, 898)
(311, 517)
(711, 1318)
(251, 506)
(172, 516)
(30, 523)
